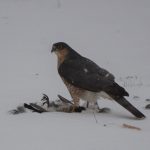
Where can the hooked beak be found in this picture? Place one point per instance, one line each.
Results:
(53, 49)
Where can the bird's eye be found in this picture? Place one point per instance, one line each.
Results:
(60, 47)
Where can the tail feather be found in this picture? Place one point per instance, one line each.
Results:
(127, 105)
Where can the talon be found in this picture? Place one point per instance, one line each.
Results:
(79, 109)
(73, 108)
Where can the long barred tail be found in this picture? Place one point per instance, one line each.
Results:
(127, 105)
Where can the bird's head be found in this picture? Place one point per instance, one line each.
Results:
(64, 51)
(58, 47)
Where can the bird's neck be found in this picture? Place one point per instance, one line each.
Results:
(73, 54)
(61, 56)
(66, 54)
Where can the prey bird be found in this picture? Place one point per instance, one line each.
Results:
(87, 81)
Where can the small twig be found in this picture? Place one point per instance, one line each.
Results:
(131, 127)
(95, 117)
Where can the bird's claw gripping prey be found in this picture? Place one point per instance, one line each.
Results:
(87, 81)
(45, 105)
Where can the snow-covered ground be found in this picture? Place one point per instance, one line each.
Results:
(115, 34)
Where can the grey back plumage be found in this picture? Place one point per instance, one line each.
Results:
(85, 74)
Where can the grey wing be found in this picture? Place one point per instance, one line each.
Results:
(95, 68)
(85, 74)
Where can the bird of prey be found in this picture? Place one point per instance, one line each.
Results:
(87, 81)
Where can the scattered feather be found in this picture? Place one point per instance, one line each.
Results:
(147, 106)
(131, 127)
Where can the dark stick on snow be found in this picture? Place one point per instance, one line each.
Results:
(95, 117)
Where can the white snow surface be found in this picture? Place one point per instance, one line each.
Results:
(115, 34)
